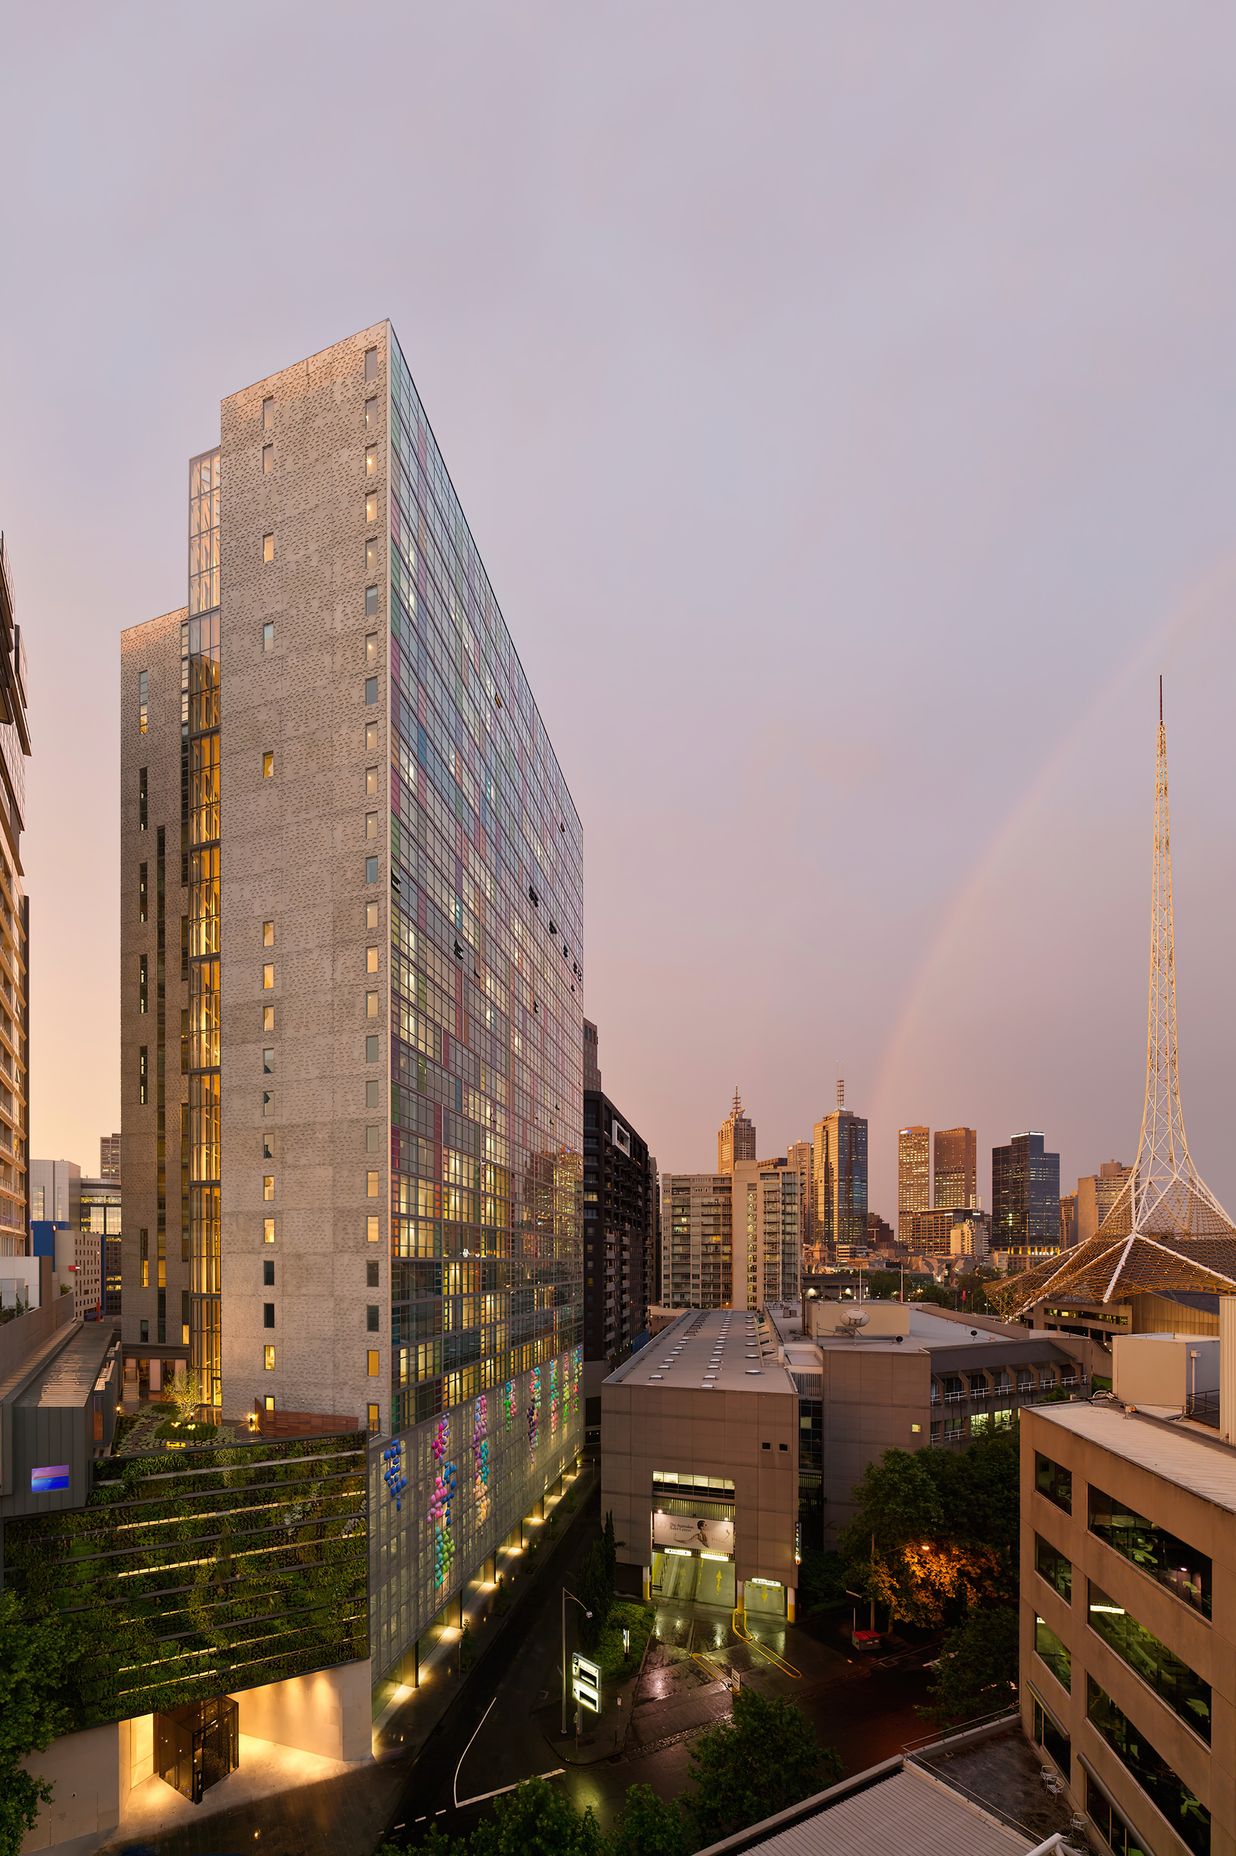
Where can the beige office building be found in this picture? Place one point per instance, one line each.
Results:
(913, 1176)
(735, 1138)
(956, 1158)
(1128, 1599)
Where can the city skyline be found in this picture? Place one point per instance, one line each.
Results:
(999, 359)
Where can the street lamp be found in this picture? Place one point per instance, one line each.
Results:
(583, 1607)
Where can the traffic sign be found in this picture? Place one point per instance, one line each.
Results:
(586, 1683)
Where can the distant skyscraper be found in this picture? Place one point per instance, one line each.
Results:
(1025, 1198)
(767, 1226)
(735, 1138)
(798, 1155)
(879, 1232)
(109, 1156)
(620, 1230)
(1068, 1220)
(14, 929)
(840, 1167)
(1096, 1194)
(696, 1240)
(913, 1174)
(956, 1168)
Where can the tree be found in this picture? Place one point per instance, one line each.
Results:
(977, 1670)
(648, 1826)
(596, 1594)
(821, 1580)
(32, 1660)
(536, 1816)
(611, 1549)
(763, 1759)
(186, 1396)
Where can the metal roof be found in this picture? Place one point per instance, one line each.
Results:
(1199, 1464)
(906, 1812)
(727, 1349)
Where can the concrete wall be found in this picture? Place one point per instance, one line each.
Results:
(1157, 1369)
(749, 1437)
(873, 1398)
(328, 1712)
(85, 1771)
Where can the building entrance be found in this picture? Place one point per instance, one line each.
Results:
(197, 1745)
(695, 1578)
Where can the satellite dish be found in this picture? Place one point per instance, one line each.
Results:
(853, 1324)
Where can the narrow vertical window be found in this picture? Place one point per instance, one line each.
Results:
(268, 1230)
(371, 461)
(143, 892)
(268, 459)
(268, 934)
(371, 506)
(143, 1072)
(143, 817)
(268, 415)
(268, 547)
(375, 1422)
(268, 1354)
(143, 988)
(371, 364)
(268, 635)
(143, 701)
(268, 764)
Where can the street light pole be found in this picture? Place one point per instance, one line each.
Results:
(583, 1607)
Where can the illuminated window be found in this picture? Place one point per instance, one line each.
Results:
(268, 1357)
(268, 547)
(371, 648)
(268, 1314)
(374, 1361)
(372, 560)
(371, 824)
(371, 691)
(371, 461)
(371, 737)
(371, 782)
(371, 602)
(371, 364)
(268, 459)
(268, 415)
(143, 984)
(371, 915)
(375, 1423)
(371, 960)
(371, 1050)
(269, 1401)
(372, 1185)
(371, 869)
(371, 1230)
(371, 1005)
(143, 893)
(268, 1185)
(373, 416)
(268, 1018)
(268, 764)
(268, 976)
(143, 701)
(371, 506)
(268, 934)
(268, 635)
(143, 1072)
(268, 1230)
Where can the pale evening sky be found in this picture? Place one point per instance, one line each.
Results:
(841, 398)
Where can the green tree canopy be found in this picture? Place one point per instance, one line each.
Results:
(763, 1759)
(648, 1826)
(32, 1654)
(977, 1670)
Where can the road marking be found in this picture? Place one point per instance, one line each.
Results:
(459, 1768)
(483, 1797)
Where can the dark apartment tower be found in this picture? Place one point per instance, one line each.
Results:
(840, 1168)
(1025, 1198)
(621, 1220)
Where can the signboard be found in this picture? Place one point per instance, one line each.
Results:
(53, 1476)
(692, 1533)
(586, 1683)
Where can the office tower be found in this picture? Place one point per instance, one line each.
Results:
(99, 1247)
(109, 1156)
(14, 930)
(620, 1230)
(767, 1228)
(1025, 1199)
(696, 1240)
(798, 1157)
(1068, 1220)
(1096, 1194)
(956, 1168)
(352, 978)
(55, 1191)
(840, 1170)
(913, 1174)
(735, 1138)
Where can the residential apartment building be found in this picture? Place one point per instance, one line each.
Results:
(767, 1226)
(913, 1175)
(800, 1156)
(352, 977)
(735, 1138)
(1025, 1200)
(839, 1167)
(621, 1222)
(1096, 1194)
(14, 930)
(956, 1160)
(697, 1265)
(1128, 1601)
(109, 1156)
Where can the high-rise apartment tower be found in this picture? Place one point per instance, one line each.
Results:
(352, 979)
(735, 1138)
(913, 1176)
(956, 1184)
(840, 1171)
(14, 931)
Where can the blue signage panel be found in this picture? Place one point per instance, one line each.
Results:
(54, 1476)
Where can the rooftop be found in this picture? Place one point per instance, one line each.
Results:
(1178, 1452)
(71, 1374)
(726, 1349)
(905, 1811)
